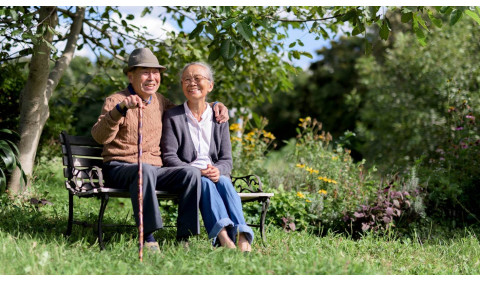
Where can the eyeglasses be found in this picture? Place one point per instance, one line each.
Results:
(197, 78)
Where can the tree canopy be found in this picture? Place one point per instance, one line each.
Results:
(244, 44)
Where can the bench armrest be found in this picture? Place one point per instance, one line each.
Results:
(86, 179)
(247, 183)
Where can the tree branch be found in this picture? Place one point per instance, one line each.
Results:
(64, 61)
(99, 44)
(303, 21)
(181, 12)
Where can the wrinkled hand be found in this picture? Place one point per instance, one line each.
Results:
(221, 112)
(211, 172)
(132, 101)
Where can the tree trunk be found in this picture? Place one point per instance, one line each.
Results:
(34, 110)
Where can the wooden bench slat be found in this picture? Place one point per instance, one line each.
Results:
(83, 162)
(82, 140)
(253, 196)
(84, 151)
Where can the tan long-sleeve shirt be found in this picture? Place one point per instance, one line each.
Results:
(120, 137)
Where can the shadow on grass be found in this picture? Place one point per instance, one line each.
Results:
(49, 223)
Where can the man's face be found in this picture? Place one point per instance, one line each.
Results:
(145, 81)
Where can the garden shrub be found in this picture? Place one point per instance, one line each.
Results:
(318, 187)
(453, 169)
(250, 145)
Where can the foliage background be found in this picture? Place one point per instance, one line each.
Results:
(390, 118)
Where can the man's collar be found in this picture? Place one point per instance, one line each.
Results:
(132, 92)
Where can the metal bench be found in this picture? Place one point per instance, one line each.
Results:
(82, 170)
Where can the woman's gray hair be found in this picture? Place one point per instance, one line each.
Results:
(205, 65)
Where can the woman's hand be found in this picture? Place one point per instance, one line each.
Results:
(211, 172)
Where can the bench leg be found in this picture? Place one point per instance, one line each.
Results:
(70, 214)
(262, 219)
(103, 206)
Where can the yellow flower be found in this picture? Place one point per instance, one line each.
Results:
(327, 180)
(237, 139)
(334, 158)
(300, 165)
(301, 119)
(300, 195)
(269, 135)
(235, 127)
(322, 192)
(308, 201)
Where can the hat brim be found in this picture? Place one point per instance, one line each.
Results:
(156, 66)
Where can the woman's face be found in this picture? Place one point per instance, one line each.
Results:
(195, 83)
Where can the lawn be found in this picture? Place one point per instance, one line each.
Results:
(31, 242)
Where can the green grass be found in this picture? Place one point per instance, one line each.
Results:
(31, 242)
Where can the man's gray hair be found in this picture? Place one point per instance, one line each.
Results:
(205, 65)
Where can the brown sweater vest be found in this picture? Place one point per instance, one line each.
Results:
(120, 138)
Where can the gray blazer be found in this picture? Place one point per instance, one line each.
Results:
(177, 146)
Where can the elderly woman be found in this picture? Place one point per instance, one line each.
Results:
(192, 137)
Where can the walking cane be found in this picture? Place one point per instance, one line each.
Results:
(140, 185)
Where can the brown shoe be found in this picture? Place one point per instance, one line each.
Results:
(152, 247)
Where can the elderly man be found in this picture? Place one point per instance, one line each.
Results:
(117, 130)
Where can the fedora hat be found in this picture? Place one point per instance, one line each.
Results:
(143, 57)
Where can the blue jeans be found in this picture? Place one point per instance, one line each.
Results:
(221, 207)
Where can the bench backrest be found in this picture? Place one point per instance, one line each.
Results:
(81, 160)
(82, 163)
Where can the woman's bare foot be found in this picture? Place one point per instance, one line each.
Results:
(225, 241)
(243, 243)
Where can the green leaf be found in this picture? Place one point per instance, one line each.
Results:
(230, 65)
(384, 31)
(214, 55)
(434, 20)
(324, 33)
(420, 20)
(307, 54)
(145, 11)
(244, 29)
(14, 14)
(296, 54)
(227, 49)
(8, 157)
(292, 44)
(407, 17)
(358, 30)
(473, 15)
(49, 45)
(228, 23)
(445, 10)
(455, 16)
(211, 29)
(196, 31)
(421, 38)
(130, 17)
(350, 14)
(3, 181)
